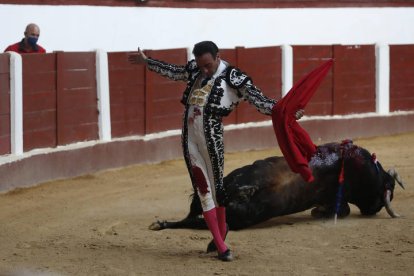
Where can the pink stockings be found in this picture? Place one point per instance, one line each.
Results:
(216, 222)
(221, 218)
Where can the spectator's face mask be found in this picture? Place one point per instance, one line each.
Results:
(32, 40)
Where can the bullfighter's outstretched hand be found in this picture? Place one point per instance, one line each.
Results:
(137, 57)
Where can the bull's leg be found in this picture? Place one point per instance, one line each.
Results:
(344, 210)
(188, 223)
(322, 212)
(194, 219)
(328, 211)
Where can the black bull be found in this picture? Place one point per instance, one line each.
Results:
(344, 173)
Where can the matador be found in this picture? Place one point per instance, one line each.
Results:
(214, 89)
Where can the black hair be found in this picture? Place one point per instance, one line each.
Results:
(204, 47)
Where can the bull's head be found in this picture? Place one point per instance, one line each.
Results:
(371, 187)
(389, 191)
(377, 192)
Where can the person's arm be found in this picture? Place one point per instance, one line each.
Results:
(252, 93)
(171, 71)
(244, 85)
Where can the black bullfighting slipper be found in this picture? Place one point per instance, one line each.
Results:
(211, 247)
(226, 256)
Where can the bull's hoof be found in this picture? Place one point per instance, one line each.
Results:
(344, 211)
(324, 212)
(158, 225)
(226, 256)
(321, 212)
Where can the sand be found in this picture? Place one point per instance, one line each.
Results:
(98, 225)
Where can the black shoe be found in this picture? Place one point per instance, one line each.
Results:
(226, 256)
(211, 247)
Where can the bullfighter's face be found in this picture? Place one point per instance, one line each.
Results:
(208, 64)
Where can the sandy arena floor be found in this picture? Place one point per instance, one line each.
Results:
(98, 225)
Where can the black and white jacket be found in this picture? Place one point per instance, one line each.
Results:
(230, 87)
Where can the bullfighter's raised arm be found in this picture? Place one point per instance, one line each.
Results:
(171, 71)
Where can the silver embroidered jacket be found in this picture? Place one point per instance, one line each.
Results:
(228, 89)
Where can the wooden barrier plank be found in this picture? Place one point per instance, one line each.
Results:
(80, 97)
(263, 65)
(79, 133)
(5, 146)
(39, 101)
(305, 59)
(159, 88)
(354, 79)
(77, 109)
(79, 61)
(77, 79)
(127, 95)
(401, 77)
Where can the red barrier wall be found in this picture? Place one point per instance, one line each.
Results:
(401, 77)
(163, 96)
(305, 59)
(349, 87)
(77, 115)
(60, 105)
(263, 65)
(127, 96)
(5, 147)
(39, 101)
(222, 4)
(354, 79)
(59, 99)
(60, 96)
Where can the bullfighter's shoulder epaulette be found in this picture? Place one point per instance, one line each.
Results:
(191, 66)
(236, 78)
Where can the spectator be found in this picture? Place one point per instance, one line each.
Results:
(28, 44)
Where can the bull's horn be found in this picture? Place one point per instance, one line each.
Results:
(390, 211)
(396, 176)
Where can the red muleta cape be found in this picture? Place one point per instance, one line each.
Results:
(294, 142)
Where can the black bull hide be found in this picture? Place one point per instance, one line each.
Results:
(268, 188)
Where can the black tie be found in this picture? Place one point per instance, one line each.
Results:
(204, 82)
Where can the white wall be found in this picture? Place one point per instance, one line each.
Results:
(84, 28)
